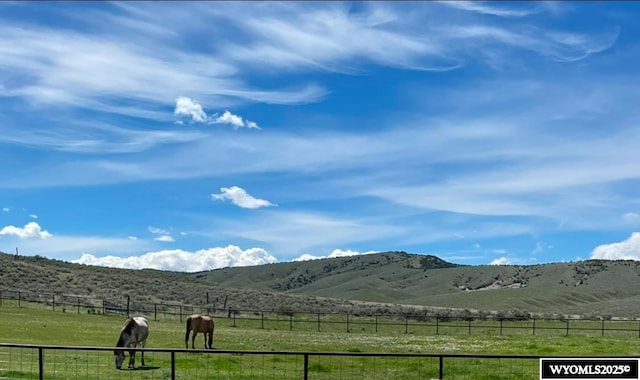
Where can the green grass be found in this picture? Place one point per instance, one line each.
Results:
(36, 325)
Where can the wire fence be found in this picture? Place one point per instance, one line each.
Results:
(420, 324)
(70, 362)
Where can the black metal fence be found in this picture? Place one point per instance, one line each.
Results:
(46, 361)
(425, 324)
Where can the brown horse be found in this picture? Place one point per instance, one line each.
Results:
(200, 323)
(134, 332)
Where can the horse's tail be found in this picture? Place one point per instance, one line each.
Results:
(186, 337)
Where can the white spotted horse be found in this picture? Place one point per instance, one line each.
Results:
(134, 332)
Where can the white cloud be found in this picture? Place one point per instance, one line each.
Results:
(241, 198)
(164, 238)
(334, 253)
(500, 251)
(189, 107)
(33, 216)
(6, 209)
(192, 109)
(184, 261)
(483, 8)
(165, 235)
(30, 230)
(625, 250)
(500, 261)
(130, 237)
(157, 231)
(631, 218)
(235, 120)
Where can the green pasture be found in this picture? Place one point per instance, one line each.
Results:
(33, 324)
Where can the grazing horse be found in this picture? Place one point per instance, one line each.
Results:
(134, 332)
(199, 323)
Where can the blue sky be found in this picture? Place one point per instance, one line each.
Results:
(191, 136)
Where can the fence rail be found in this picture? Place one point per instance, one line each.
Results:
(48, 361)
(425, 324)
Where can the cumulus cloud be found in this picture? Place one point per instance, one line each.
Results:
(165, 235)
(625, 250)
(190, 108)
(334, 253)
(235, 120)
(6, 209)
(30, 230)
(33, 216)
(240, 197)
(184, 261)
(500, 261)
(133, 237)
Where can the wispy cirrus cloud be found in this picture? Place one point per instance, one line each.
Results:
(487, 9)
(239, 197)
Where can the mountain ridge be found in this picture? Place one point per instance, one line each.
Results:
(381, 281)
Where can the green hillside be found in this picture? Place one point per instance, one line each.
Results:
(387, 281)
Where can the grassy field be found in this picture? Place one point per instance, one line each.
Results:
(36, 325)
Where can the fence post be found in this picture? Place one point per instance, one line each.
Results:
(306, 366)
(53, 302)
(128, 311)
(262, 319)
(318, 322)
(78, 299)
(173, 365)
(41, 363)
(155, 311)
(406, 324)
(437, 327)
(376, 322)
(469, 326)
(347, 322)
(18, 299)
(0, 297)
(603, 327)
(180, 313)
(441, 367)
(501, 327)
(567, 326)
(534, 326)
(104, 307)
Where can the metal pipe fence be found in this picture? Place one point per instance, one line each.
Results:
(78, 362)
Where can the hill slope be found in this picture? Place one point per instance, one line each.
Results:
(383, 281)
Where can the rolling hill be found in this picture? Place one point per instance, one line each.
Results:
(381, 282)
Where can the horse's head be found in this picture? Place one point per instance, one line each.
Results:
(119, 356)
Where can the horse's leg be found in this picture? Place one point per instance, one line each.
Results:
(204, 339)
(132, 358)
(193, 340)
(144, 343)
